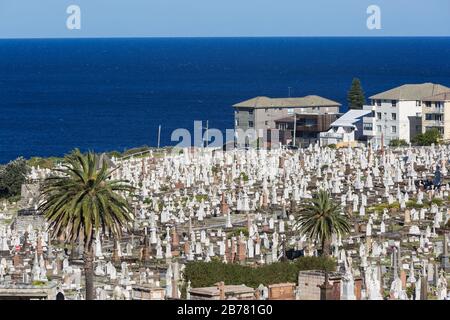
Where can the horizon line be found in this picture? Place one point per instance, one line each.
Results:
(223, 37)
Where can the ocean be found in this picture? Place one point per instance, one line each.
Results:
(111, 94)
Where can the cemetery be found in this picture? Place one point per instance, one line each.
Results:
(213, 224)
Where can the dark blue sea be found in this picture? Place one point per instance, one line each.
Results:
(111, 94)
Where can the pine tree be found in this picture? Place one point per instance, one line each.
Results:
(355, 96)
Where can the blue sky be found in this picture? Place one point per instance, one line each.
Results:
(216, 18)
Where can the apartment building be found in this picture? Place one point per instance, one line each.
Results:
(260, 113)
(308, 128)
(436, 114)
(397, 113)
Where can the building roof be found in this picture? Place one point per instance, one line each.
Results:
(439, 97)
(411, 92)
(266, 102)
(349, 118)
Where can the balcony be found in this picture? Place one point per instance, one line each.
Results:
(434, 123)
(331, 135)
(308, 128)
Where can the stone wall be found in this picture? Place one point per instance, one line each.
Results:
(309, 282)
(21, 223)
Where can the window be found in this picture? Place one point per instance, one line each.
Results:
(393, 129)
(290, 111)
(418, 103)
(433, 116)
(250, 111)
(394, 116)
(379, 115)
(379, 128)
(367, 126)
(265, 110)
(250, 124)
(438, 105)
(428, 104)
(394, 103)
(379, 103)
(266, 123)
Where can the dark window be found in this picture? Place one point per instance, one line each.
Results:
(379, 103)
(394, 116)
(250, 124)
(418, 103)
(394, 103)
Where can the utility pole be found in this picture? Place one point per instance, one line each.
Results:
(159, 135)
(295, 128)
(207, 135)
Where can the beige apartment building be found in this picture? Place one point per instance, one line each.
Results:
(262, 112)
(436, 114)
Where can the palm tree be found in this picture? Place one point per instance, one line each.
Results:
(80, 199)
(319, 218)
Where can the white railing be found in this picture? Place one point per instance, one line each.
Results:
(333, 135)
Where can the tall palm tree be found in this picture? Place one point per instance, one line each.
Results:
(80, 199)
(319, 218)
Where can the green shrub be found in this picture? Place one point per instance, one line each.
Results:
(438, 202)
(236, 232)
(398, 143)
(204, 274)
(135, 150)
(428, 138)
(413, 204)
(12, 176)
(45, 163)
(201, 197)
(244, 176)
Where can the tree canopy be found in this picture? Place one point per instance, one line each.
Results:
(12, 176)
(432, 136)
(355, 96)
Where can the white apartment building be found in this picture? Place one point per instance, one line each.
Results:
(397, 113)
